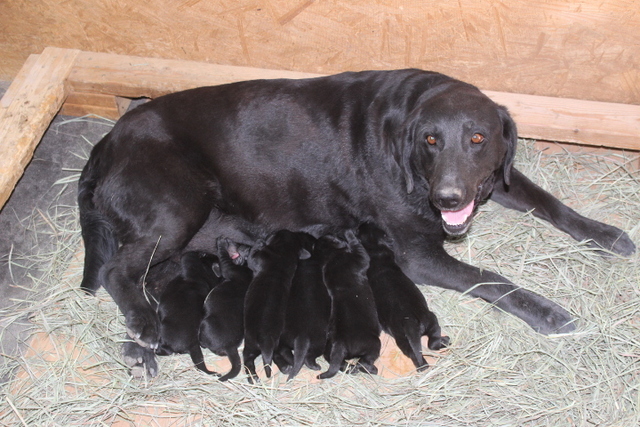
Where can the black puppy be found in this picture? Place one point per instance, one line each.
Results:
(180, 308)
(274, 264)
(354, 330)
(307, 319)
(222, 328)
(402, 309)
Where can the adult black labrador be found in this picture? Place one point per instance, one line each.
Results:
(411, 151)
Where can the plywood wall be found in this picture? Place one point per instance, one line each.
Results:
(587, 50)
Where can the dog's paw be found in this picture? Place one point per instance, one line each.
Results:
(438, 343)
(142, 326)
(141, 361)
(543, 315)
(613, 239)
(547, 317)
(603, 236)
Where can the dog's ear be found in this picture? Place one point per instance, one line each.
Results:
(510, 136)
(403, 150)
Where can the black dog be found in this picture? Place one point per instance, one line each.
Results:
(402, 309)
(412, 151)
(274, 264)
(222, 327)
(354, 330)
(180, 308)
(307, 319)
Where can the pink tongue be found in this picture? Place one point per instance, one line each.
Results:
(458, 217)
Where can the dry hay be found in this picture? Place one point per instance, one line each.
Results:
(497, 372)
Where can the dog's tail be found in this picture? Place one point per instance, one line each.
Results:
(198, 359)
(268, 347)
(300, 349)
(236, 364)
(100, 241)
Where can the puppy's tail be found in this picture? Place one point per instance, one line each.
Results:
(236, 364)
(300, 350)
(267, 350)
(198, 360)
(100, 241)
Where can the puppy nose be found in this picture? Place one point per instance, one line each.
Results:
(448, 197)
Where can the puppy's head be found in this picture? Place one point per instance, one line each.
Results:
(456, 144)
(280, 246)
(373, 237)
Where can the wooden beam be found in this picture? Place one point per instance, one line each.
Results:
(136, 77)
(573, 120)
(27, 109)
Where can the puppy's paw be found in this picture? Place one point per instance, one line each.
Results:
(142, 326)
(438, 343)
(141, 361)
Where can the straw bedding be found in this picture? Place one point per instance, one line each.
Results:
(497, 371)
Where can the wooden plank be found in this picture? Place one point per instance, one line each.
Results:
(134, 77)
(538, 117)
(573, 120)
(28, 110)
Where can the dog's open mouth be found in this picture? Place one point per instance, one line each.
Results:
(457, 223)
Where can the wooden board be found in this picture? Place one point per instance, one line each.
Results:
(583, 50)
(26, 110)
(45, 81)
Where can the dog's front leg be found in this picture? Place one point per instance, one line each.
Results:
(425, 261)
(523, 195)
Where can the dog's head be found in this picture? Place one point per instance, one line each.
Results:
(456, 143)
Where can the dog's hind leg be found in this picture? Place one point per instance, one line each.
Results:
(249, 357)
(408, 341)
(283, 359)
(436, 340)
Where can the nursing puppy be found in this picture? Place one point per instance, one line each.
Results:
(222, 328)
(274, 264)
(402, 309)
(307, 319)
(180, 308)
(354, 330)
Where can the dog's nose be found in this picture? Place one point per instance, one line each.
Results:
(448, 198)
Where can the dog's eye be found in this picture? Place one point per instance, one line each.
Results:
(477, 138)
(431, 139)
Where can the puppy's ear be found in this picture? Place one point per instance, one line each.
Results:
(304, 254)
(217, 270)
(510, 137)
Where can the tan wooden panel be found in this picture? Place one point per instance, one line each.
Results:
(33, 100)
(585, 49)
